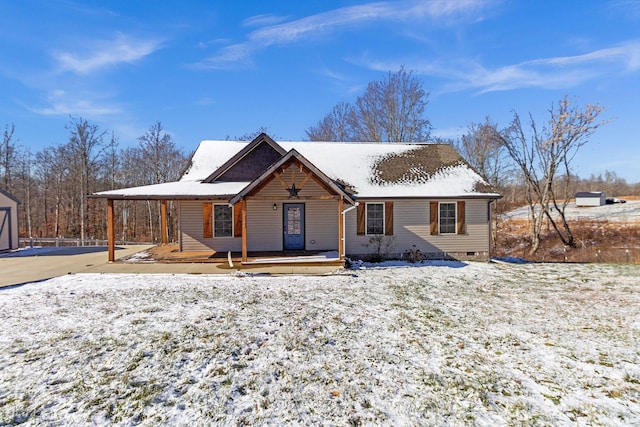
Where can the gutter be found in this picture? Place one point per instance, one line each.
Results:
(344, 229)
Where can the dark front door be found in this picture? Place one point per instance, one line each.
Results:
(293, 226)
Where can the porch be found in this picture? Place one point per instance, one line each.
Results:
(306, 262)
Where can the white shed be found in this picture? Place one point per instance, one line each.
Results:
(590, 198)
(8, 221)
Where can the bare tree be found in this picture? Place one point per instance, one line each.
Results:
(390, 110)
(7, 156)
(85, 145)
(161, 161)
(545, 155)
(335, 126)
(483, 151)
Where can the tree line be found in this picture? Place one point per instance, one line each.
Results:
(54, 183)
(528, 163)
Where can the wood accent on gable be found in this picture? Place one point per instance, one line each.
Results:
(290, 173)
(299, 171)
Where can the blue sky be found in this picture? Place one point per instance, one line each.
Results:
(212, 70)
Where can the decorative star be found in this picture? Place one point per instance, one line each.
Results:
(293, 191)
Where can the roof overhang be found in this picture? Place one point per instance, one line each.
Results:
(177, 190)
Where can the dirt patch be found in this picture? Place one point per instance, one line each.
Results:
(596, 241)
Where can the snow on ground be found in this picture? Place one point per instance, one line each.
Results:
(624, 212)
(443, 344)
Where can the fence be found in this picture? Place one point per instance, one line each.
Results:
(30, 242)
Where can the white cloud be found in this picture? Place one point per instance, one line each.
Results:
(62, 103)
(262, 20)
(559, 72)
(80, 107)
(335, 20)
(106, 53)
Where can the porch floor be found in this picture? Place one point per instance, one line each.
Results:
(170, 253)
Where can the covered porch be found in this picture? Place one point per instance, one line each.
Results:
(291, 214)
(170, 253)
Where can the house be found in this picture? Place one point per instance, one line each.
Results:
(590, 198)
(8, 221)
(348, 198)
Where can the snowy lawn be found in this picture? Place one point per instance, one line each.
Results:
(444, 344)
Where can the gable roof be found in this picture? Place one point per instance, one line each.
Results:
(363, 170)
(285, 160)
(264, 140)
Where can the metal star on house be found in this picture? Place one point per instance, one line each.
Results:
(293, 191)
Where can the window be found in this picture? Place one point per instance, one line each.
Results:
(375, 218)
(447, 218)
(222, 221)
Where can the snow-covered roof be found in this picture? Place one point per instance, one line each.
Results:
(368, 170)
(177, 190)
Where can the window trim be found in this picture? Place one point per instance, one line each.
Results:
(213, 221)
(366, 219)
(455, 218)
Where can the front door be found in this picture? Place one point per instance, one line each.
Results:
(293, 226)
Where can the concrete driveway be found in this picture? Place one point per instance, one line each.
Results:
(29, 265)
(32, 265)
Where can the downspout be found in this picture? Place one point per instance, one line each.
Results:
(344, 229)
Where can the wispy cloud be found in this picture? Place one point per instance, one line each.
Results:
(62, 103)
(105, 53)
(560, 72)
(547, 73)
(336, 20)
(262, 20)
(630, 9)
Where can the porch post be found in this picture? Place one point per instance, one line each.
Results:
(244, 231)
(111, 234)
(340, 228)
(163, 221)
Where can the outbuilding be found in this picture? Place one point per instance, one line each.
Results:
(590, 198)
(8, 221)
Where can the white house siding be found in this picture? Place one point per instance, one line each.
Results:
(411, 227)
(321, 225)
(264, 226)
(191, 230)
